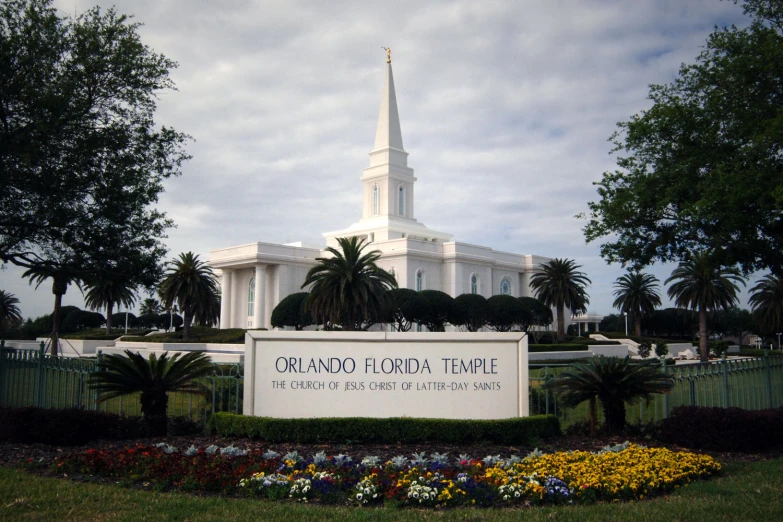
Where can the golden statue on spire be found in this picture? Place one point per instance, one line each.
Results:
(388, 54)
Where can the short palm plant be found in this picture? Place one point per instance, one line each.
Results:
(154, 378)
(9, 312)
(613, 382)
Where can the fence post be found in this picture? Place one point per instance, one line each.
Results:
(41, 383)
(768, 375)
(94, 394)
(665, 395)
(725, 380)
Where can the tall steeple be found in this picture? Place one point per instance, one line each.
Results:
(388, 182)
(388, 134)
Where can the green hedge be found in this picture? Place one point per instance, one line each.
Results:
(571, 347)
(197, 335)
(524, 430)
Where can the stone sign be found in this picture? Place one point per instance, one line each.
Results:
(379, 374)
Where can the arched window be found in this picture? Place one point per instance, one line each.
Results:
(505, 286)
(419, 280)
(375, 199)
(401, 201)
(251, 297)
(473, 284)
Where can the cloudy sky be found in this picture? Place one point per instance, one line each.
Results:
(506, 108)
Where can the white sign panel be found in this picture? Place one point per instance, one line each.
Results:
(377, 374)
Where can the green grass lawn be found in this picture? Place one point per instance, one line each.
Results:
(745, 492)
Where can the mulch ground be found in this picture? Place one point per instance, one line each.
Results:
(14, 454)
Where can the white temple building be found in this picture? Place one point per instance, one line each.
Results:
(255, 277)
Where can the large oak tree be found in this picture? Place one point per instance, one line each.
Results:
(82, 161)
(702, 169)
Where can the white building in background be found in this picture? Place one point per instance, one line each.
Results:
(255, 277)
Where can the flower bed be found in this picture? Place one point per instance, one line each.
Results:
(622, 472)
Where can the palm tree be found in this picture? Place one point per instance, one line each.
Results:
(9, 312)
(106, 292)
(191, 283)
(119, 375)
(636, 294)
(613, 382)
(348, 288)
(61, 278)
(150, 306)
(766, 299)
(701, 284)
(561, 285)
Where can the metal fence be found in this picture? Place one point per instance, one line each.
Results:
(752, 384)
(33, 378)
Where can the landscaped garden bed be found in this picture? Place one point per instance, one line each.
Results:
(619, 472)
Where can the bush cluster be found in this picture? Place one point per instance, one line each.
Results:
(198, 334)
(525, 430)
(723, 429)
(75, 427)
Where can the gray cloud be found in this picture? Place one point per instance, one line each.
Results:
(506, 108)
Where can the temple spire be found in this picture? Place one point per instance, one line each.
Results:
(388, 134)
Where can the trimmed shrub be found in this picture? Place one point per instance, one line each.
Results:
(723, 429)
(474, 311)
(661, 349)
(70, 427)
(291, 312)
(506, 312)
(570, 347)
(75, 427)
(645, 347)
(524, 430)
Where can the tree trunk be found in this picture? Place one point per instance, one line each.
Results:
(614, 413)
(109, 308)
(637, 321)
(560, 323)
(187, 317)
(154, 411)
(58, 289)
(704, 355)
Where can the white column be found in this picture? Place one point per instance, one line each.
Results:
(259, 307)
(225, 299)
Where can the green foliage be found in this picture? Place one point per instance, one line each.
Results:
(291, 312)
(198, 334)
(570, 347)
(150, 306)
(700, 283)
(539, 314)
(155, 377)
(613, 382)
(81, 160)
(708, 146)
(560, 284)
(723, 429)
(718, 348)
(766, 299)
(404, 306)
(524, 430)
(645, 347)
(507, 313)
(474, 311)
(106, 292)
(191, 283)
(68, 427)
(441, 309)
(10, 316)
(118, 320)
(636, 294)
(348, 288)
(661, 349)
